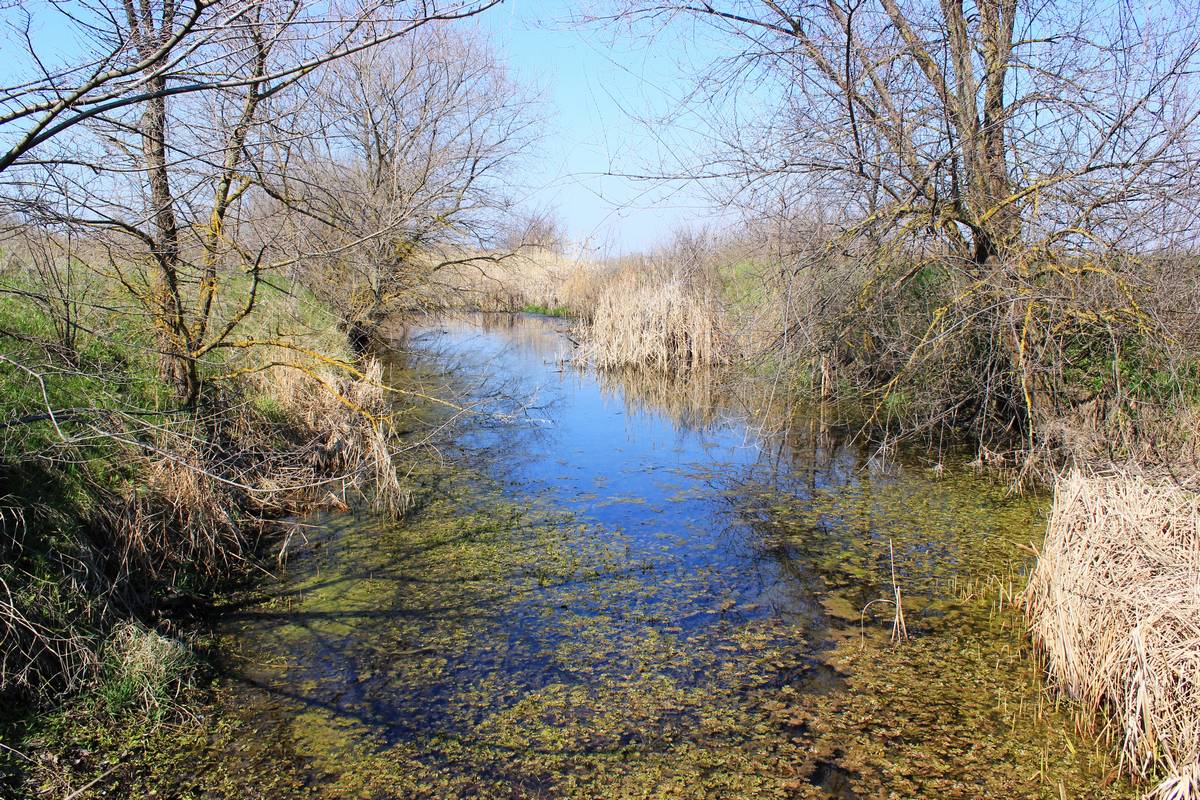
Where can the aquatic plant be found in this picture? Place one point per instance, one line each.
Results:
(662, 321)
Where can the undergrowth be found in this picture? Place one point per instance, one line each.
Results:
(118, 506)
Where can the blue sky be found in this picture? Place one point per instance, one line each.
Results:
(593, 82)
(596, 85)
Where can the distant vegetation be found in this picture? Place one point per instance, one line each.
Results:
(546, 311)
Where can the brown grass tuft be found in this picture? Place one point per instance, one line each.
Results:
(658, 321)
(348, 420)
(1114, 604)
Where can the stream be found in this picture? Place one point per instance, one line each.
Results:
(624, 586)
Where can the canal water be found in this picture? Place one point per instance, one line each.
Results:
(633, 586)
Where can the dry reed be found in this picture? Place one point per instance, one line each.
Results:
(663, 322)
(532, 277)
(350, 443)
(1114, 604)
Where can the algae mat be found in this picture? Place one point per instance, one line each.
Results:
(619, 593)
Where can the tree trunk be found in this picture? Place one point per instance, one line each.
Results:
(177, 366)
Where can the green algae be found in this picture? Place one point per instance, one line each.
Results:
(620, 693)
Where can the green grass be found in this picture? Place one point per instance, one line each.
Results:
(742, 283)
(547, 311)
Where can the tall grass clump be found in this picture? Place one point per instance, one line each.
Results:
(1114, 605)
(144, 671)
(655, 319)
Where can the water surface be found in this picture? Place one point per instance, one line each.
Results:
(632, 587)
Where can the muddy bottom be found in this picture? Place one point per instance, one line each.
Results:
(641, 588)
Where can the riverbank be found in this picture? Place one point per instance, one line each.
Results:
(125, 514)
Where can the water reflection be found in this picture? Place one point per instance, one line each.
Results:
(642, 586)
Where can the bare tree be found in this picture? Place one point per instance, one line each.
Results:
(156, 135)
(408, 169)
(542, 230)
(1037, 153)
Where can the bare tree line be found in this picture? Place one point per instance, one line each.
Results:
(408, 169)
(1036, 158)
(194, 148)
(188, 188)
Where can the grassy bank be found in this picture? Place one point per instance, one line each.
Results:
(121, 510)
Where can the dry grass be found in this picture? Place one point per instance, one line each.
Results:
(180, 519)
(200, 501)
(1114, 604)
(529, 278)
(350, 440)
(144, 669)
(648, 319)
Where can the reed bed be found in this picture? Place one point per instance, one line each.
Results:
(662, 322)
(531, 278)
(661, 313)
(1114, 605)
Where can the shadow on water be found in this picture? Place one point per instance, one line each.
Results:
(634, 586)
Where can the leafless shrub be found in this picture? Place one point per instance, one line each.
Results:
(996, 186)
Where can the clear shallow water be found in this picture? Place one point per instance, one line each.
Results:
(633, 587)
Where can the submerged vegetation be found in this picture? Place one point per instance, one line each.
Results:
(956, 225)
(498, 644)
